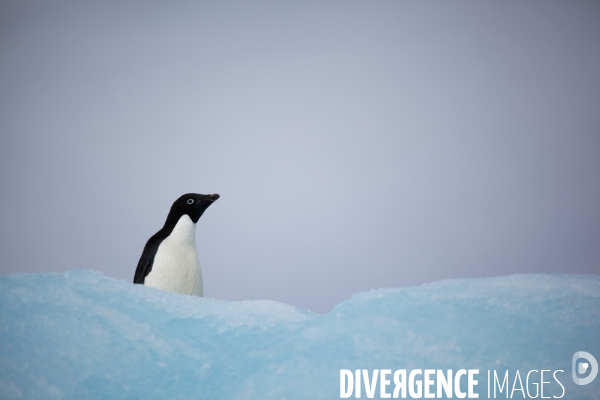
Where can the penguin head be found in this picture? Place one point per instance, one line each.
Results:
(192, 204)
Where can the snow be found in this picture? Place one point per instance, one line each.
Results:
(82, 335)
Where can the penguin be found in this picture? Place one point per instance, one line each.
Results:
(169, 260)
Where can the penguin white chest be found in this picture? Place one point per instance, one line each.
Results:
(176, 266)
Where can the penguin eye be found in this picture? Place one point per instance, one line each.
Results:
(190, 201)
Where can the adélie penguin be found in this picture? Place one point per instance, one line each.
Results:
(169, 260)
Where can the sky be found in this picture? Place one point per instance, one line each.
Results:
(355, 145)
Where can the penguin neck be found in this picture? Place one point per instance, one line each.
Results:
(184, 229)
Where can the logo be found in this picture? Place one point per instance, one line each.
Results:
(580, 369)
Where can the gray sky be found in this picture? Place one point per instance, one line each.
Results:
(355, 145)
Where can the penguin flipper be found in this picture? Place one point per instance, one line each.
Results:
(143, 269)
(147, 259)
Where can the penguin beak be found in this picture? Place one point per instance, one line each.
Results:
(213, 197)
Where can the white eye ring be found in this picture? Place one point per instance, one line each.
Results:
(190, 201)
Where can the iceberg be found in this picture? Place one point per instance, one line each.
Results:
(83, 335)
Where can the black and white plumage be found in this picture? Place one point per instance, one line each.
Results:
(169, 260)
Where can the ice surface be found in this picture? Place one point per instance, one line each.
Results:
(82, 335)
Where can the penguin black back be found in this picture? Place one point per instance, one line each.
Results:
(192, 205)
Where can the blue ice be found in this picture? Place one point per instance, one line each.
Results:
(82, 335)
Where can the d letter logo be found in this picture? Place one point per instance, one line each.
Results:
(582, 368)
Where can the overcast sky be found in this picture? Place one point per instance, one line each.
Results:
(355, 145)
